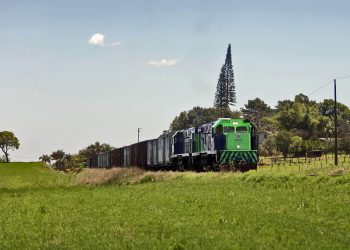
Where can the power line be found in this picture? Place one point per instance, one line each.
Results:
(342, 77)
(326, 84)
(318, 89)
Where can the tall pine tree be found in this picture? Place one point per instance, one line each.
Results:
(225, 90)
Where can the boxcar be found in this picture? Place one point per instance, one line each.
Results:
(138, 154)
(164, 150)
(117, 157)
(92, 161)
(103, 160)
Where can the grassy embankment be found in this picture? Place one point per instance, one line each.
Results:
(43, 209)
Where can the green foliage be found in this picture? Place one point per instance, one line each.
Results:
(326, 108)
(58, 157)
(284, 140)
(296, 145)
(8, 141)
(225, 91)
(345, 144)
(65, 162)
(45, 158)
(270, 146)
(255, 111)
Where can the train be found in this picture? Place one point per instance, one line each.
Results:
(225, 143)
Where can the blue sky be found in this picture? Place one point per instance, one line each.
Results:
(59, 91)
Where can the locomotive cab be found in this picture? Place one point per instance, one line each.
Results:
(232, 134)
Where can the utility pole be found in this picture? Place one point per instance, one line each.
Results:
(138, 134)
(335, 124)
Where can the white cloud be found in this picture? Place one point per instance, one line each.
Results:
(163, 62)
(97, 39)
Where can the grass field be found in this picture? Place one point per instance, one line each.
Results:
(43, 209)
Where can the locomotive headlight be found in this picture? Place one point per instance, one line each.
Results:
(238, 146)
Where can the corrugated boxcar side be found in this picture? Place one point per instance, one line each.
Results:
(92, 161)
(167, 149)
(99, 160)
(117, 157)
(103, 160)
(154, 152)
(127, 156)
(160, 148)
(138, 155)
(120, 153)
(142, 154)
(164, 149)
(133, 154)
(149, 153)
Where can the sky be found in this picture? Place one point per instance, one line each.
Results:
(76, 72)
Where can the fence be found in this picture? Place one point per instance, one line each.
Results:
(302, 164)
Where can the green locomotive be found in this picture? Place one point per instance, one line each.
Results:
(229, 144)
(223, 144)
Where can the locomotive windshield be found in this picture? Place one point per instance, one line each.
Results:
(241, 129)
(229, 129)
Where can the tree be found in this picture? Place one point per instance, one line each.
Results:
(58, 156)
(255, 110)
(304, 99)
(45, 158)
(283, 105)
(326, 108)
(284, 139)
(225, 90)
(296, 146)
(345, 144)
(70, 161)
(269, 147)
(8, 141)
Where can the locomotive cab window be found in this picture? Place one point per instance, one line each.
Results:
(241, 129)
(229, 129)
(219, 129)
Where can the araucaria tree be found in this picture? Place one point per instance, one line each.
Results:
(8, 141)
(225, 95)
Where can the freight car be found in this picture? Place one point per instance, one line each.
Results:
(224, 143)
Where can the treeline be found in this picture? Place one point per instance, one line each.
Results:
(296, 126)
(61, 161)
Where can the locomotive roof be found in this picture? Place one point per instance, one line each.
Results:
(229, 121)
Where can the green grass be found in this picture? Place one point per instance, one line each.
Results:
(29, 175)
(188, 211)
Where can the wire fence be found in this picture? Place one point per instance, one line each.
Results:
(311, 165)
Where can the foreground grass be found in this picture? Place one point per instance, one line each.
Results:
(190, 211)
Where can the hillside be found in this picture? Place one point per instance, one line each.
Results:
(29, 175)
